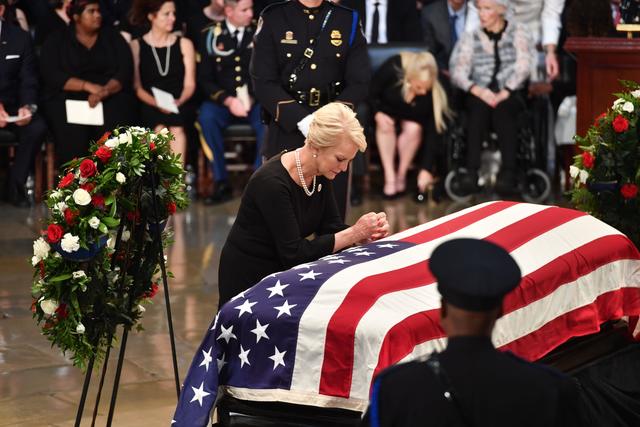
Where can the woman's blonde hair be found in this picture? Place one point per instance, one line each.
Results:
(332, 121)
(422, 66)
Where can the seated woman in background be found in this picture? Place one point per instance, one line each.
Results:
(164, 61)
(405, 94)
(492, 64)
(289, 198)
(55, 20)
(87, 63)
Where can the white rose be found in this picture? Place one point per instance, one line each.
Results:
(55, 195)
(125, 138)
(121, 178)
(636, 93)
(94, 222)
(81, 197)
(617, 102)
(112, 143)
(78, 274)
(160, 157)
(583, 176)
(164, 131)
(70, 243)
(41, 249)
(35, 260)
(141, 309)
(80, 328)
(126, 234)
(49, 306)
(60, 206)
(111, 243)
(628, 107)
(574, 171)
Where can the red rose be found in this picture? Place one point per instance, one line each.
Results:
(62, 311)
(588, 159)
(66, 181)
(54, 233)
(620, 124)
(98, 201)
(154, 290)
(88, 186)
(152, 146)
(88, 168)
(70, 216)
(629, 191)
(171, 208)
(103, 138)
(103, 153)
(596, 123)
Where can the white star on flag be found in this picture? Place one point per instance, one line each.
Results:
(240, 295)
(387, 245)
(339, 261)
(244, 356)
(207, 359)
(298, 267)
(308, 275)
(276, 289)
(227, 334)
(284, 308)
(330, 257)
(278, 358)
(365, 253)
(260, 331)
(356, 249)
(221, 362)
(245, 307)
(199, 394)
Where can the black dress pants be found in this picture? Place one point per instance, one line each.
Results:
(30, 137)
(503, 119)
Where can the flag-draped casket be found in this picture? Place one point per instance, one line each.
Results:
(318, 333)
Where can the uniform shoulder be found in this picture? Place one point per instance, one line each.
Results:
(538, 368)
(403, 373)
(341, 7)
(274, 7)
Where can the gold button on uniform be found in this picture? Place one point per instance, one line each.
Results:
(314, 66)
(311, 17)
(337, 55)
(237, 58)
(288, 55)
(218, 59)
(310, 40)
(238, 78)
(238, 68)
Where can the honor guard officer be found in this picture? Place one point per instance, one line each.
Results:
(471, 383)
(307, 53)
(223, 76)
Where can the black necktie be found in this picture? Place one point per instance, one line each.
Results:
(454, 33)
(236, 35)
(375, 24)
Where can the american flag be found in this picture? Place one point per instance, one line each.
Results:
(318, 333)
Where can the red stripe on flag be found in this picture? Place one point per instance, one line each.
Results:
(534, 286)
(337, 366)
(582, 321)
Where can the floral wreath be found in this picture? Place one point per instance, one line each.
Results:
(97, 258)
(606, 174)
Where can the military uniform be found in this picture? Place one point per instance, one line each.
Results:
(471, 383)
(223, 71)
(303, 59)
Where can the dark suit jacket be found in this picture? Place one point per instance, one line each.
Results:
(403, 21)
(437, 31)
(18, 73)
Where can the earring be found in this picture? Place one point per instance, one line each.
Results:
(315, 155)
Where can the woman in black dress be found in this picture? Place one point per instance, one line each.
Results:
(406, 95)
(164, 61)
(289, 198)
(55, 20)
(85, 62)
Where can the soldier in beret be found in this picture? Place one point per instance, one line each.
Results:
(223, 76)
(471, 383)
(307, 53)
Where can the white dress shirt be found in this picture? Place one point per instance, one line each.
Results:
(462, 17)
(382, 12)
(232, 29)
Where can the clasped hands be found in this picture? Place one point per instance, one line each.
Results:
(489, 97)
(371, 226)
(96, 93)
(24, 113)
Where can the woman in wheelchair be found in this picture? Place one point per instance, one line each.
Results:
(492, 65)
(407, 102)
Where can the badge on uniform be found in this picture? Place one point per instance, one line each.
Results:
(288, 38)
(217, 30)
(336, 38)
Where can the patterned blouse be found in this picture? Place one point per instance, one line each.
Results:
(476, 61)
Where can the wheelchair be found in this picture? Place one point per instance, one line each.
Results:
(533, 183)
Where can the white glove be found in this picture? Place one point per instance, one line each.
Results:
(304, 124)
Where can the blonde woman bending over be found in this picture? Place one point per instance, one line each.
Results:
(410, 106)
(289, 198)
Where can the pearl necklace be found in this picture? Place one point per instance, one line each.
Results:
(163, 73)
(296, 154)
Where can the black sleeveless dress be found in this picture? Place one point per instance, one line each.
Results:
(172, 82)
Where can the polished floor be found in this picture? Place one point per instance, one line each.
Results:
(40, 387)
